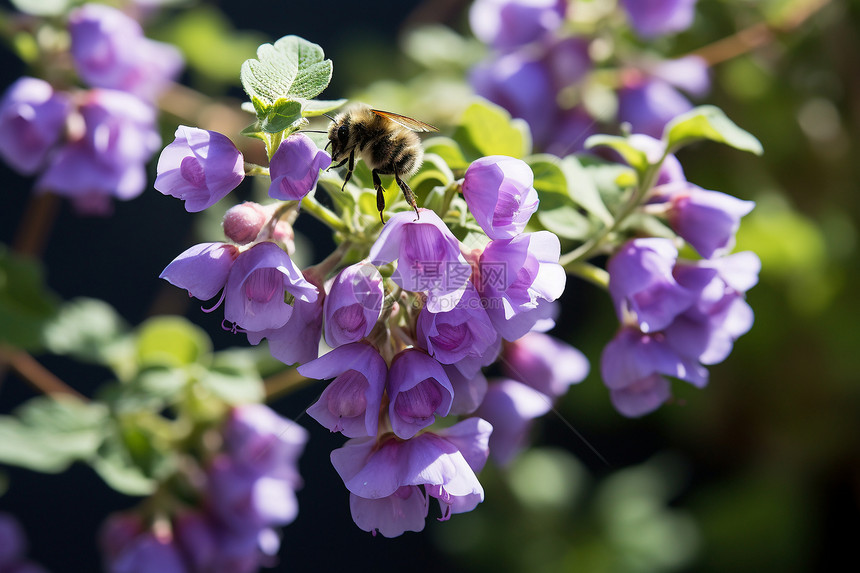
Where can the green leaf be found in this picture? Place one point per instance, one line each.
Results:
(116, 468)
(583, 190)
(171, 341)
(549, 177)
(449, 150)
(566, 222)
(487, 129)
(291, 68)
(42, 7)
(47, 434)
(636, 158)
(317, 107)
(87, 329)
(708, 122)
(234, 377)
(434, 172)
(26, 305)
(281, 115)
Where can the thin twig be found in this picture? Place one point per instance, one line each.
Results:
(37, 375)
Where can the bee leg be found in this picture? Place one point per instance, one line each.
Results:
(407, 192)
(380, 194)
(349, 168)
(330, 167)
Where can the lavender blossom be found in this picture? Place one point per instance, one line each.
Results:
(519, 279)
(353, 304)
(199, 167)
(651, 18)
(392, 515)
(419, 390)
(110, 51)
(469, 391)
(508, 24)
(149, 553)
(545, 363)
(350, 403)
(257, 437)
(202, 270)
(295, 167)
(500, 194)
(32, 121)
(648, 104)
(428, 257)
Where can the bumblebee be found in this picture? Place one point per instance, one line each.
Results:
(385, 141)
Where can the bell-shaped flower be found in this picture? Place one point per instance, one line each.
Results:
(500, 194)
(149, 552)
(297, 340)
(109, 157)
(428, 257)
(263, 288)
(418, 390)
(654, 149)
(709, 328)
(641, 282)
(110, 51)
(651, 18)
(404, 510)
(202, 270)
(444, 462)
(510, 407)
(462, 335)
(469, 391)
(243, 498)
(519, 280)
(508, 24)
(295, 167)
(353, 304)
(350, 403)
(707, 220)
(264, 442)
(648, 104)
(199, 167)
(522, 86)
(633, 365)
(32, 121)
(545, 363)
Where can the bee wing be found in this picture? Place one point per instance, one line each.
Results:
(411, 123)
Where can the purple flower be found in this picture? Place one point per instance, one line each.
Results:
(261, 440)
(32, 121)
(109, 158)
(443, 462)
(246, 499)
(469, 391)
(110, 51)
(707, 220)
(648, 104)
(200, 167)
(507, 24)
(202, 270)
(419, 390)
(720, 315)
(545, 363)
(570, 131)
(652, 18)
(13, 543)
(633, 365)
(671, 170)
(500, 194)
(428, 257)
(463, 335)
(519, 279)
(242, 223)
(689, 73)
(295, 167)
(510, 407)
(404, 510)
(568, 61)
(353, 304)
(521, 86)
(148, 553)
(350, 403)
(641, 282)
(116, 533)
(263, 288)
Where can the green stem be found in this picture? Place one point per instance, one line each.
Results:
(254, 169)
(323, 214)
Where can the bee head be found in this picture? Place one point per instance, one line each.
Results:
(338, 138)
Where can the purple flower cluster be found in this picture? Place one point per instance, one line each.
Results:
(537, 66)
(410, 326)
(677, 317)
(13, 547)
(248, 490)
(91, 145)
